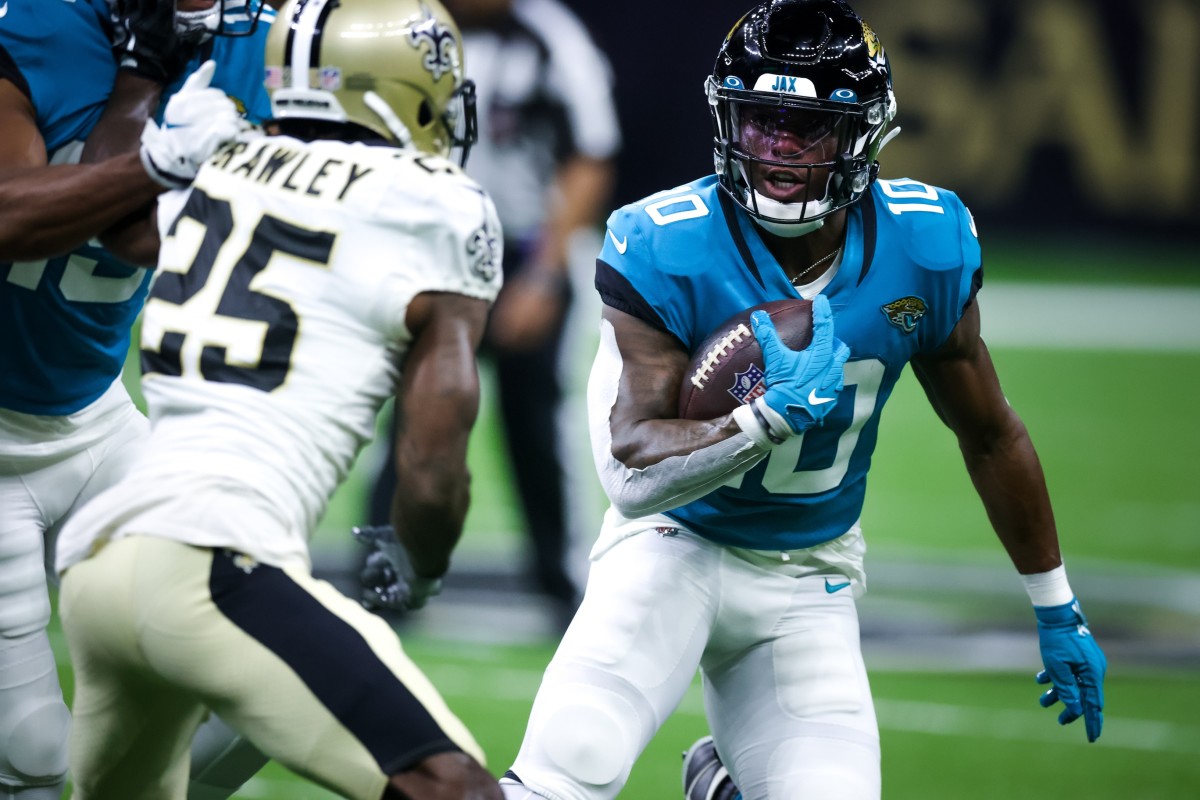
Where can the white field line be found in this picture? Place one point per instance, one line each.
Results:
(939, 719)
(1058, 316)
(1040, 725)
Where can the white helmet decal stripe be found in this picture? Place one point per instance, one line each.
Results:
(304, 33)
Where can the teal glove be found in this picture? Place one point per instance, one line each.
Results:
(1075, 666)
(802, 385)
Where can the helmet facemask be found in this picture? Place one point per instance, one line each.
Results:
(222, 18)
(462, 122)
(234, 12)
(199, 26)
(826, 148)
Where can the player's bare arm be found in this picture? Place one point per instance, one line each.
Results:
(49, 210)
(436, 406)
(644, 420)
(961, 383)
(118, 133)
(134, 100)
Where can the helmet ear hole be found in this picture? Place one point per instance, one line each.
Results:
(424, 114)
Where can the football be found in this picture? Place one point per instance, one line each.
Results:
(727, 369)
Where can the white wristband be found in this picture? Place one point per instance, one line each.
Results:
(1049, 588)
(746, 419)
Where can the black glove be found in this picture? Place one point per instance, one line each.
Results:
(145, 39)
(388, 580)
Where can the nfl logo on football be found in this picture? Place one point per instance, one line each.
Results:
(748, 385)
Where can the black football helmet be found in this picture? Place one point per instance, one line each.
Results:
(815, 69)
(233, 18)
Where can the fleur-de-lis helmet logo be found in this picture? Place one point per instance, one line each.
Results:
(442, 56)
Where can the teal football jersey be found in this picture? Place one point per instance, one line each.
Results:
(61, 57)
(239, 58)
(65, 321)
(687, 259)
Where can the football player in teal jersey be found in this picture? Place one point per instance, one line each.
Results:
(77, 82)
(733, 544)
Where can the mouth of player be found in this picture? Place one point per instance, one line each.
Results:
(787, 185)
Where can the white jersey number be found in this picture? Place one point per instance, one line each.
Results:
(79, 282)
(909, 192)
(782, 477)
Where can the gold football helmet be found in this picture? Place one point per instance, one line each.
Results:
(394, 67)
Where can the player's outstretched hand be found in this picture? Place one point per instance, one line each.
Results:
(388, 579)
(146, 41)
(802, 385)
(197, 121)
(1074, 666)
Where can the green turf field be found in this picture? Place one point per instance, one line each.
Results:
(1117, 434)
(977, 735)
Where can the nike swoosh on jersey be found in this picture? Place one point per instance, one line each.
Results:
(816, 401)
(830, 588)
(621, 244)
(4, 10)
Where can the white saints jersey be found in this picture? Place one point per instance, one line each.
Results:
(275, 330)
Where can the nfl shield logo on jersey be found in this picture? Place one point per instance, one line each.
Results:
(748, 385)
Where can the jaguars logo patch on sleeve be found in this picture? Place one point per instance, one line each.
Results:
(905, 313)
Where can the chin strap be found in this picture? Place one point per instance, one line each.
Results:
(393, 123)
(776, 216)
(789, 230)
(892, 134)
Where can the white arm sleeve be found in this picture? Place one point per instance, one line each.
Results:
(671, 482)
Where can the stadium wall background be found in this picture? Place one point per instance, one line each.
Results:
(1079, 117)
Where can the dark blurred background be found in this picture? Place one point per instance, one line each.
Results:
(1073, 117)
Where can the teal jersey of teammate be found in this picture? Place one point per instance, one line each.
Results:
(686, 260)
(65, 321)
(59, 54)
(239, 58)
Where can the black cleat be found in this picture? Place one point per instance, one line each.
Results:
(704, 776)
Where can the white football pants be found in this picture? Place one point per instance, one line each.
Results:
(777, 640)
(48, 467)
